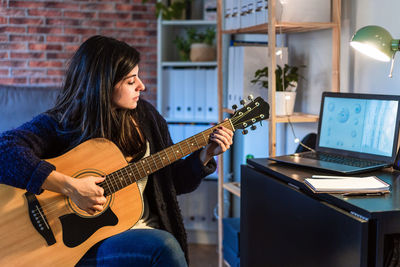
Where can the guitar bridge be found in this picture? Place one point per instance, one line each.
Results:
(38, 219)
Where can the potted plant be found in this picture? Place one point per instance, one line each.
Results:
(286, 85)
(170, 11)
(198, 46)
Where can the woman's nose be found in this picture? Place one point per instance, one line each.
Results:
(141, 86)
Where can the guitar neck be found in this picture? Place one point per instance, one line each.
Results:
(135, 171)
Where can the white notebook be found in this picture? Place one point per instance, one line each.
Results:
(370, 184)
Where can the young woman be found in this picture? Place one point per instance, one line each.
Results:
(101, 98)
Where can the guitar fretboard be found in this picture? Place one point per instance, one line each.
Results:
(135, 171)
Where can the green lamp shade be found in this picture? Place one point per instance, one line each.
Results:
(376, 42)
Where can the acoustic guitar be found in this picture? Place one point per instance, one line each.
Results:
(50, 230)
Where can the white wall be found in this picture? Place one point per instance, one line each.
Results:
(358, 73)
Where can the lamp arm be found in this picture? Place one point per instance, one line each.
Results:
(395, 47)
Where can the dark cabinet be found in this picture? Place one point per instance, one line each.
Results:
(282, 225)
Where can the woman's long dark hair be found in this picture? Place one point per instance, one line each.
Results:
(84, 105)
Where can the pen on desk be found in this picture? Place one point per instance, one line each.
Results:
(331, 177)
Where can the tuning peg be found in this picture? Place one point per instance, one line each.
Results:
(253, 127)
(250, 97)
(242, 102)
(245, 132)
(234, 107)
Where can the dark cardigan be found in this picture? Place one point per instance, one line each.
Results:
(21, 166)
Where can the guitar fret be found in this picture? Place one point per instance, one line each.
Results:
(112, 184)
(128, 174)
(144, 170)
(205, 140)
(148, 165)
(162, 162)
(118, 179)
(104, 184)
(172, 148)
(190, 151)
(138, 172)
(180, 148)
(195, 139)
(125, 177)
(155, 164)
(165, 151)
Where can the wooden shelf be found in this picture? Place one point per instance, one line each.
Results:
(285, 27)
(233, 187)
(188, 22)
(297, 117)
(189, 64)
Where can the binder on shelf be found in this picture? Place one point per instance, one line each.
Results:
(251, 13)
(166, 101)
(235, 14)
(188, 93)
(231, 94)
(243, 18)
(228, 14)
(211, 95)
(261, 12)
(178, 90)
(200, 94)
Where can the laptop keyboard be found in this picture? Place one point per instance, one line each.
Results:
(362, 163)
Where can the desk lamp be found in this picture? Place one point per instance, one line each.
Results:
(376, 42)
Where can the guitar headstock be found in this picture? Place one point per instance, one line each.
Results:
(255, 111)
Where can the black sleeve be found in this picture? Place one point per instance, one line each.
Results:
(21, 151)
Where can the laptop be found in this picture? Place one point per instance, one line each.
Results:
(356, 133)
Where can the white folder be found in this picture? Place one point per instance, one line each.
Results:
(261, 12)
(236, 14)
(211, 95)
(243, 14)
(239, 70)
(166, 94)
(231, 77)
(188, 93)
(228, 14)
(177, 89)
(251, 13)
(199, 94)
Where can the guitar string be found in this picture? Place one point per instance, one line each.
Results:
(116, 175)
(112, 177)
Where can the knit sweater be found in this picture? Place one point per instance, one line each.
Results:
(22, 151)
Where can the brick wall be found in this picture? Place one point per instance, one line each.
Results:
(37, 37)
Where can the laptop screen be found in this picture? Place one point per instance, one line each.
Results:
(359, 123)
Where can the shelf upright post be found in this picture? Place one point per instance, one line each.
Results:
(271, 76)
(336, 6)
(220, 118)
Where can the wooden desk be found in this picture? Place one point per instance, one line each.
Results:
(284, 224)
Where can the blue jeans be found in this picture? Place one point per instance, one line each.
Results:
(138, 247)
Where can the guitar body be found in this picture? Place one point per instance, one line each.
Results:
(56, 232)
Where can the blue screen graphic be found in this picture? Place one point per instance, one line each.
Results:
(360, 125)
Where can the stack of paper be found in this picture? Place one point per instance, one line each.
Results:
(370, 184)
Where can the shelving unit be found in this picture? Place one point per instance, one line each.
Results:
(271, 28)
(197, 208)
